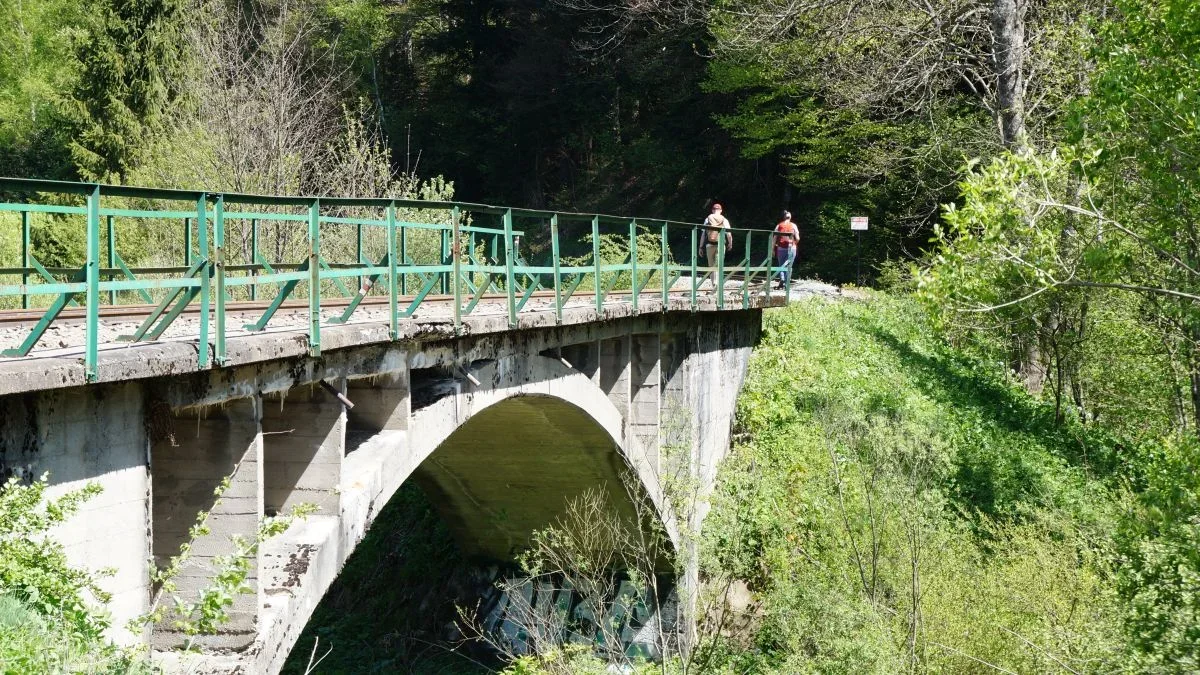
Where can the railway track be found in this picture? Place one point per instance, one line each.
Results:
(18, 317)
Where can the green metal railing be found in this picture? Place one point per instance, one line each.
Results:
(400, 253)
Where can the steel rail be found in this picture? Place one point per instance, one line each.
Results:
(75, 314)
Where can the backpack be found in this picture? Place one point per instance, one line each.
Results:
(786, 237)
(712, 234)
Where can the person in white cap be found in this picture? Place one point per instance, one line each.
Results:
(713, 225)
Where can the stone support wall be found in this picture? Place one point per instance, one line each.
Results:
(207, 447)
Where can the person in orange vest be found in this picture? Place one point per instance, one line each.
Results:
(787, 240)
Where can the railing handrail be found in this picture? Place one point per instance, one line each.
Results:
(490, 261)
(175, 194)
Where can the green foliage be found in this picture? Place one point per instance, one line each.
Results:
(1107, 225)
(208, 610)
(615, 250)
(130, 59)
(361, 28)
(33, 567)
(38, 69)
(1160, 572)
(31, 644)
(205, 614)
(1037, 234)
(1143, 116)
(48, 622)
(354, 162)
(1016, 258)
(896, 505)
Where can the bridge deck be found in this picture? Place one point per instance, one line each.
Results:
(57, 360)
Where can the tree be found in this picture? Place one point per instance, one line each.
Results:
(131, 62)
(38, 72)
(1115, 211)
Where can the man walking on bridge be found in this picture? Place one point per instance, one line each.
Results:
(713, 225)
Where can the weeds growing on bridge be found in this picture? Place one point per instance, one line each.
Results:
(203, 613)
(51, 613)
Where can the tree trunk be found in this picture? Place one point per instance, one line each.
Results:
(1008, 56)
(1195, 380)
(1077, 361)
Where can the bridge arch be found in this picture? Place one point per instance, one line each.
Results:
(501, 446)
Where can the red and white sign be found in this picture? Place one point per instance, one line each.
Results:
(858, 223)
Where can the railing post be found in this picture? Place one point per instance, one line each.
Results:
(25, 255)
(446, 257)
(92, 276)
(314, 276)
(112, 253)
(666, 268)
(456, 251)
(596, 262)
(508, 269)
(633, 260)
(746, 277)
(394, 326)
(556, 262)
(403, 255)
(202, 246)
(254, 258)
(695, 255)
(721, 268)
(219, 273)
(187, 242)
(358, 259)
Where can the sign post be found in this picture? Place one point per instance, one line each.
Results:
(859, 225)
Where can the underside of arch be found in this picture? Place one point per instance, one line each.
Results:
(512, 468)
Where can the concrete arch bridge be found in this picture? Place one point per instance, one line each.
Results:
(502, 412)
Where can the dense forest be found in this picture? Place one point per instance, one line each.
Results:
(653, 110)
(988, 463)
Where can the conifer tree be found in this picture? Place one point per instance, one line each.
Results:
(131, 58)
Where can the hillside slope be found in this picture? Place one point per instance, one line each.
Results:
(896, 505)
